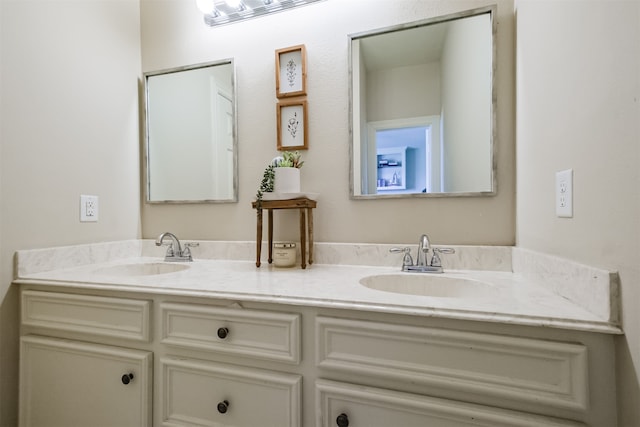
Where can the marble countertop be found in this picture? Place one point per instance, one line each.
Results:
(513, 298)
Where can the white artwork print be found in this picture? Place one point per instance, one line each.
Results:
(292, 126)
(291, 72)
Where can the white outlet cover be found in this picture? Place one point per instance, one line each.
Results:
(88, 208)
(564, 193)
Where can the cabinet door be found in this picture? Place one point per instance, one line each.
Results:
(200, 393)
(70, 383)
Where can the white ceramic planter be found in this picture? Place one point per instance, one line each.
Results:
(287, 180)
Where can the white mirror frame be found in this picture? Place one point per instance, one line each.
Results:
(233, 198)
(355, 175)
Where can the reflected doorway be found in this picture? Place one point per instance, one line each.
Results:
(406, 155)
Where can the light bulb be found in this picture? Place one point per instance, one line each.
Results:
(206, 6)
(233, 3)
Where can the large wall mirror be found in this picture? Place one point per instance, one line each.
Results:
(191, 145)
(423, 108)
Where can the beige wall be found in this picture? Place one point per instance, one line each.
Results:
(466, 114)
(578, 91)
(173, 34)
(402, 92)
(69, 114)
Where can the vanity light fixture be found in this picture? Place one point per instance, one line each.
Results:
(221, 12)
(234, 4)
(207, 7)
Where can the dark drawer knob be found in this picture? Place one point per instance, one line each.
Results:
(342, 420)
(223, 333)
(223, 406)
(127, 378)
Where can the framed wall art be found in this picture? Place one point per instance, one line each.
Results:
(291, 71)
(292, 125)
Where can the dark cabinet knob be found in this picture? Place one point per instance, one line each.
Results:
(223, 333)
(342, 420)
(223, 406)
(127, 378)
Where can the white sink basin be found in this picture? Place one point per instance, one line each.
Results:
(430, 285)
(145, 269)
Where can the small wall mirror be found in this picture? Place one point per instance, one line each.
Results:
(423, 108)
(191, 146)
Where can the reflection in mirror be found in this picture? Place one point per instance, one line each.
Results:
(422, 108)
(191, 148)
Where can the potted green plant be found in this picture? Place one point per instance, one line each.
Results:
(290, 163)
(287, 172)
(266, 185)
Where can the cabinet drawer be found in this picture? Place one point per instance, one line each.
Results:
(237, 331)
(113, 317)
(520, 372)
(211, 394)
(374, 407)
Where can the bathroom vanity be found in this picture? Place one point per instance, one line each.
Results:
(113, 336)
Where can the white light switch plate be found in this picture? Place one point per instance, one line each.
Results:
(564, 193)
(88, 208)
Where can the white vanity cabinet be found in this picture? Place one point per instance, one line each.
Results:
(211, 362)
(68, 382)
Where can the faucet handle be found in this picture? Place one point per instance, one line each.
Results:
(435, 259)
(406, 259)
(169, 245)
(186, 252)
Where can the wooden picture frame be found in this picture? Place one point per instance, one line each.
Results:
(291, 71)
(292, 125)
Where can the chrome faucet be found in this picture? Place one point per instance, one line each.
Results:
(174, 250)
(423, 265)
(423, 250)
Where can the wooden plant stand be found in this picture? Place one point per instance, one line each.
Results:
(305, 206)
